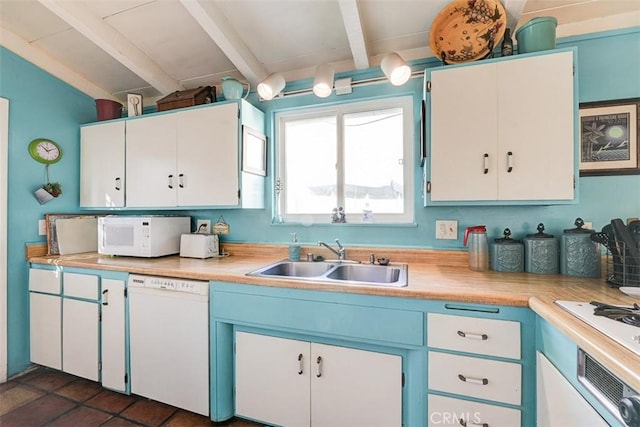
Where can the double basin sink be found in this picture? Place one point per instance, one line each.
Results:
(337, 273)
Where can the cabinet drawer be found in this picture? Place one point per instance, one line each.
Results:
(447, 411)
(80, 285)
(44, 281)
(474, 335)
(471, 376)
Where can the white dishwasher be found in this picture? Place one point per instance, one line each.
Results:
(169, 341)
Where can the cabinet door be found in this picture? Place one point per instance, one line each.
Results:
(113, 335)
(207, 152)
(536, 122)
(102, 177)
(559, 404)
(80, 325)
(355, 387)
(45, 329)
(272, 379)
(463, 133)
(151, 161)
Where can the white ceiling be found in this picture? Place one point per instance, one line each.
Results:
(107, 48)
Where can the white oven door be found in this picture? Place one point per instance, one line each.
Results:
(559, 404)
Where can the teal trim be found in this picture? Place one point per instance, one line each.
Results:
(563, 354)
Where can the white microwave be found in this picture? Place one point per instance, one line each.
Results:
(142, 236)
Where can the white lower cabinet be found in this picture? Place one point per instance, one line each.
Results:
(558, 403)
(45, 330)
(66, 330)
(113, 349)
(475, 377)
(296, 383)
(45, 318)
(448, 411)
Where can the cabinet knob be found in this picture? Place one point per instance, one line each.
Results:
(470, 424)
(509, 161)
(105, 297)
(486, 163)
(170, 181)
(181, 180)
(118, 182)
(301, 364)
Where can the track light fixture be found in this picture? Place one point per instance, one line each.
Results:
(271, 86)
(323, 81)
(396, 70)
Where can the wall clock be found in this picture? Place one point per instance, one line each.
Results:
(45, 151)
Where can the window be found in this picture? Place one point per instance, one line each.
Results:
(356, 156)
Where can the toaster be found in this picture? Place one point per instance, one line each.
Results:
(199, 245)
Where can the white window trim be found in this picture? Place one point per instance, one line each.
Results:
(404, 102)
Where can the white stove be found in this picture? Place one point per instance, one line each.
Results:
(625, 334)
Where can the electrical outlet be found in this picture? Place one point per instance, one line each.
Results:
(42, 227)
(447, 230)
(203, 226)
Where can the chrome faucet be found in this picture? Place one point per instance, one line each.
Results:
(339, 253)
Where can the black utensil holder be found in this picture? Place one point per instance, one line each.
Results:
(622, 270)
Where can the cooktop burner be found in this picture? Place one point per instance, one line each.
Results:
(628, 315)
(622, 324)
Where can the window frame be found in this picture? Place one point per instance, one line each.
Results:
(405, 102)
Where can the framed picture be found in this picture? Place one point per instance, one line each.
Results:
(609, 143)
(134, 104)
(254, 151)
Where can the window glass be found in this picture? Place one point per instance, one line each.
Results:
(356, 156)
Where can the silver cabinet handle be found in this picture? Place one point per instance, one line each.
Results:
(509, 162)
(105, 297)
(486, 163)
(480, 381)
(469, 424)
(118, 182)
(301, 364)
(319, 363)
(170, 181)
(482, 337)
(181, 180)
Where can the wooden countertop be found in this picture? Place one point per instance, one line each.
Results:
(435, 275)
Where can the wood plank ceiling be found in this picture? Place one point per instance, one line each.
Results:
(109, 48)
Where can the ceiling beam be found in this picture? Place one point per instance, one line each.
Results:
(353, 25)
(39, 58)
(105, 37)
(215, 24)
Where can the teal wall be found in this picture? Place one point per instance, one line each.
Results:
(43, 106)
(40, 106)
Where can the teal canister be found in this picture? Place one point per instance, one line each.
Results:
(541, 253)
(579, 255)
(507, 254)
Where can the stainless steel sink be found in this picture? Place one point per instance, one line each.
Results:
(337, 273)
(366, 273)
(294, 269)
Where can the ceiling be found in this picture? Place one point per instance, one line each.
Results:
(108, 48)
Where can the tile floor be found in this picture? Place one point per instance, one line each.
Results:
(46, 397)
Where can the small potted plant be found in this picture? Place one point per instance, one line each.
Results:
(48, 192)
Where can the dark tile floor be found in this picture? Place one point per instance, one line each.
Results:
(46, 397)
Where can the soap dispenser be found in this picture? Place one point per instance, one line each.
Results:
(294, 248)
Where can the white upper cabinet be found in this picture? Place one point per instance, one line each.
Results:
(188, 158)
(503, 131)
(102, 165)
(181, 158)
